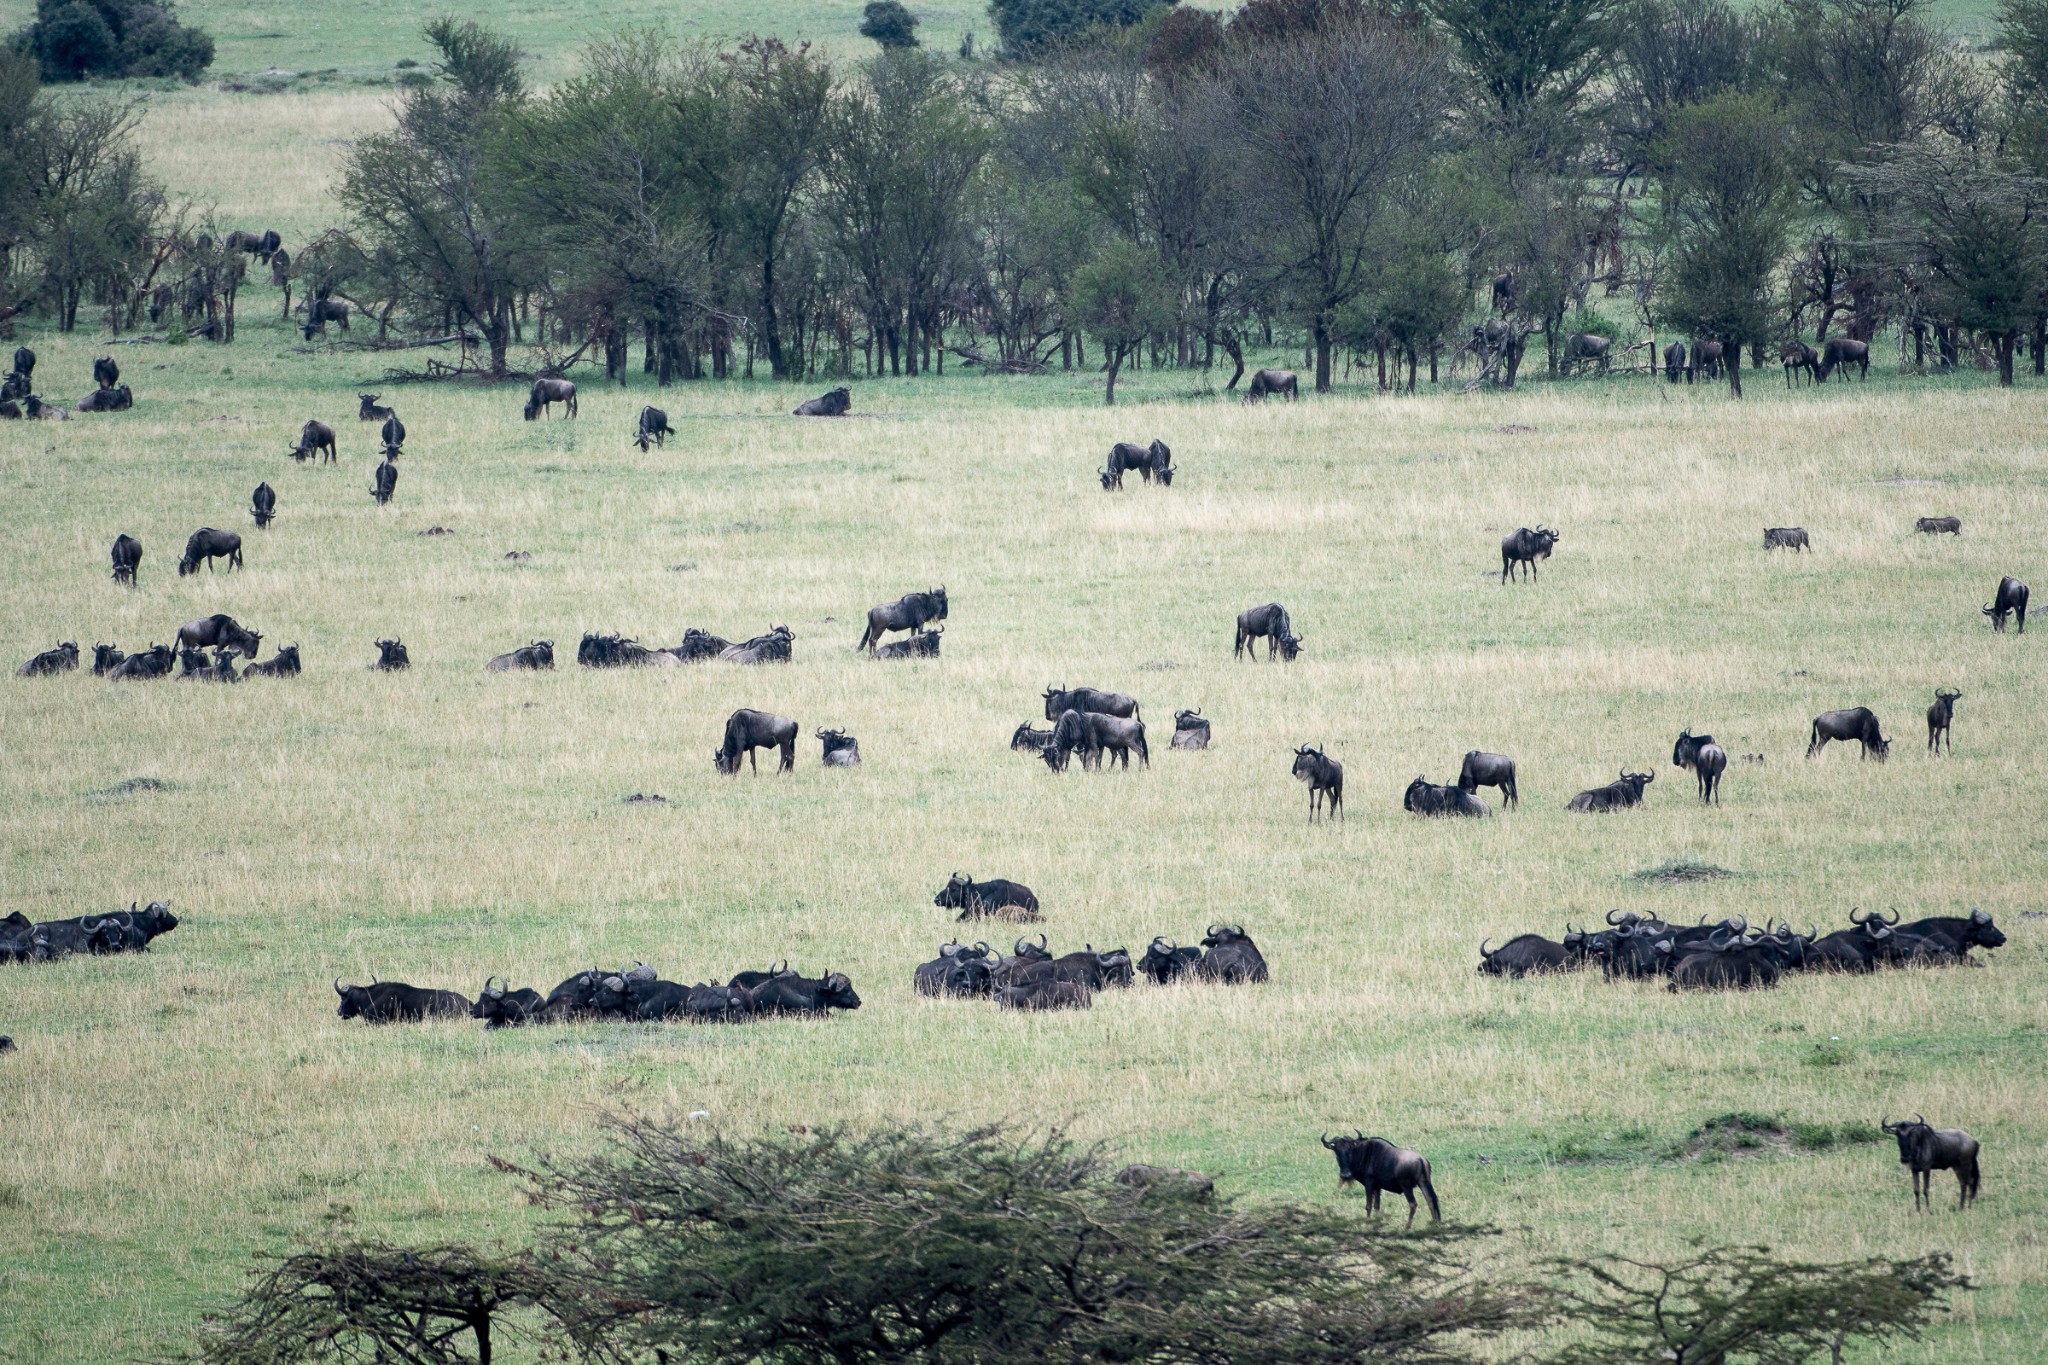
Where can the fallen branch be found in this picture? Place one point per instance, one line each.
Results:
(968, 355)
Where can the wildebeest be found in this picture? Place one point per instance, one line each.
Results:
(1928, 1149)
(958, 970)
(548, 392)
(1588, 346)
(105, 659)
(262, 245)
(283, 664)
(1092, 732)
(392, 434)
(654, 428)
(1482, 769)
(1060, 700)
(1522, 955)
(154, 662)
(368, 409)
(1792, 538)
(499, 1006)
(127, 557)
(263, 505)
(2012, 597)
(699, 645)
(1798, 356)
(1674, 363)
(841, 749)
(1617, 795)
(617, 651)
(1271, 623)
(391, 656)
(1939, 717)
(1707, 760)
(24, 362)
(837, 403)
(1190, 730)
(1026, 740)
(1706, 359)
(320, 312)
(909, 612)
(923, 645)
(539, 654)
(1858, 723)
(1265, 382)
(1842, 351)
(1523, 547)
(1153, 461)
(394, 1002)
(385, 483)
(314, 439)
(1935, 526)
(62, 659)
(194, 665)
(208, 544)
(117, 399)
(218, 629)
(996, 897)
(9, 410)
(1325, 778)
(1379, 1165)
(1233, 959)
(1504, 292)
(772, 648)
(803, 995)
(1424, 797)
(746, 731)
(40, 411)
(105, 373)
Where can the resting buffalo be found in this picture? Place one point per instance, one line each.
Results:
(1271, 623)
(746, 731)
(1190, 730)
(1707, 760)
(283, 664)
(1842, 351)
(1792, 538)
(909, 612)
(1165, 961)
(1725, 962)
(1523, 955)
(62, 659)
(218, 629)
(772, 648)
(1424, 797)
(996, 896)
(1935, 526)
(1233, 959)
(499, 1006)
(394, 1002)
(539, 654)
(2011, 598)
(1940, 717)
(1858, 723)
(1523, 547)
(958, 970)
(208, 544)
(841, 749)
(548, 392)
(118, 399)
(1325, 778)
(263, 505)
(155, 662)
(1482, 769)
(385, 482)
(803, 995)
(315, 438)
(1927, 1150)
(654, 429)
(1945, 938)
(923, 645)
(1379, 1165)
(1060, 700)
(1266, 382)
(1617, 795)
(127, 557)
(1049, 993)
(837, 403)
(1861, 949)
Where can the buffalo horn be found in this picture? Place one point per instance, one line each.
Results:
(337, 987)
(1612, 913)
(1854, 912)
(1894, 919)
(1977, 916)
(1017, 948)
(1482, 947)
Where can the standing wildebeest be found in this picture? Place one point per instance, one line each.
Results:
(1842, 351)
(1935, 526)
(314, 438)
(1674, 362)
(263, 505)
(105, 659)
(1588, 346)
(1325, 777)
(1190, 730)
(746, 731)
(1266, 382)
(386, 481)
(548, 392)
(208, 544)
(127, 558)
(391, 656)
(320, 312)
(1799, 356)
(1792, 538)
(1939, 717)
(1523, 546)
(118, 399)
(841, 749)
(1482, 769)
(283, 664)
(369, 410)
(2012, 597)
(837, 403)
(1927, 1150)
(392, 434)
(1378, 1165)
(772, 648)
(1857, 723)
(922, 645)
(105, 373)
(1707, 760)
(50, 662)
(154, 662)
(653, 428)
(1617, 795)
(1092, 732)
(1424, 797)
(1271, 622)
(1151, 461)
(1504, 292)
(24, 364)
(1060, 700)
(996, 896)
(218, 629)
(393, 1002)
(539, 654)
(1706, 359)
(262, 245)
(908, 612)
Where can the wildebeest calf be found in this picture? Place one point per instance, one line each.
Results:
(1325, 778)
(1939, 718)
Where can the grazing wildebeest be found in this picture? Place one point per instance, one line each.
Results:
(1482, 769)
(1617, 795)
(1792, 538)
(539, 654)
(912, 612)
(386, 481)
(263, 505)
(1266, 382)
(391, 656)
(283, 664)
(105, 373)
(1842, 351)
(1523, 546)
(794, 994)
(1026, 740)
(1153, 461)
(1233, 959)
(218, 629)
(654, 428)
(837, 403)
(958, 970)
(1706, 359)
(1325, 778)
(548, 392)
(320, 312)
(370, 410)
(2012, 597)
(1935, 526)
(1522, 955)
(154, 662)
(208, 544)
(923, 645)
(62, 659)
(314, 438)
(1190, 730)
(699, 645)
(1858, 723)
(841, 749)
(105, 659)
(1798, 356)
(1271, 622)
(1674, 363)
(1939, 717)
(502, 1007)
(127, 558)
(1588, 346)
(1424, 797)
(1927, 1149)
(393, 1002)
(772, 648)
(392, 434)
(1707, 760)
(1379, 1165)
(118, 399)
(746, 731)
(998, 897)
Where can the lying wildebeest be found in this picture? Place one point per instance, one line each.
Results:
(50, 662)
(40, 411)
(1523, 547)
(1935, 526)
(1674, 363)
(1798, 356)
(1233, 959)
(218, 629)
(548, 392)
(1424, 797)
(837, 403)
(154, 662)
(1525, 954)
(1190, 730)
(9, 410)
(1617, 795)
(394, 1002)
(391, 656)
(118, 399)
(1707, 760)
(502, 1007)
(1092, 732)
(1940, 717)
(314, 438)
(1588, 346)
(385, 483)
(616, 651)
(911, 612)
(1792, 538)
(283, 664)
(772, 648)
(2012, 597)
(958, 970)
(194, 665)
(1482, 769)
(1270, 622)
(370, 410)
(1048, 993)
(1706, 359)
(263, 505)
(392, 434)
(539, 654)
(1171, 1181)
(1325, 778)
(1856, 722)
(208, 544)
(841, 749)
(997, 897)
(1266, 382)
(320, 312)
(803, 995)
(923, 645)
(1928, 1149)
(1060, 700)
(654, 428)
(1165, 961)
(1379, 1165)
(105, 659)
(1842, 351)
(105, 373)
(1026, 740)
(699, 645)
(746, 731)
(127, 556)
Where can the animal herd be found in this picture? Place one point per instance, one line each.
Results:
(635, 993)
(1032, 977)
(130, 931)
(17, 398)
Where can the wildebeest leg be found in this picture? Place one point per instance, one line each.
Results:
(1505, 562)
(788, 756)
(1411, 1209)
(751, 763)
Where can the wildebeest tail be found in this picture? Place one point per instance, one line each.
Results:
(1429, 1192)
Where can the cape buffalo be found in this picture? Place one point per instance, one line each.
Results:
(1857, 723)
(1792, 538)
(283, 664)
(1233, 959)
(837, 403)
(1522, 955)
(1266, 382)
(996, 896)
(1927, 1150)
(1939, 718)
(2012, 597)
(263, 505)
(1860, 949)
(1947, 938)
(1725, 962)
(1522, 547)
(1617, 795)
(391, 656)
(1190, 730)
(1842, 351)
(1379, 1165)
(909, 612)
(539, 654)
(393, 1002)
(1045, 994)
(548, 392)
(746, 731)
(958, 970)
(1165, 961)
(1271, 623)
(1482, 769)
(803, 995)
(218, 629)
(1325, 778)
(315, 438)
(1707, 760)
(841, 749)
(1935, 526)
(654, 428)
(499, 1006)
(50, 662)
(127, 556)
(385, 482)
(208, 544)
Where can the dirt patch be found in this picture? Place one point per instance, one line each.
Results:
(131, 787)
(1682, 872)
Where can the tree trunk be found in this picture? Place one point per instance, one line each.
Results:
(1236, 352)
(2041, 344)
(1116, 363)
(771, 329)
(2005, 345)
(498, 331)
(1322, 344)
(1734, 353)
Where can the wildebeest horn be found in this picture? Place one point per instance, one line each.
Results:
(1885, 1125)
(337, 987)
(1327, 1143)
(1987, 609)
(1360, 1132)
(1917, 1119)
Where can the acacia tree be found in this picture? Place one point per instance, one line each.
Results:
(1121, 298)
(779, 107)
